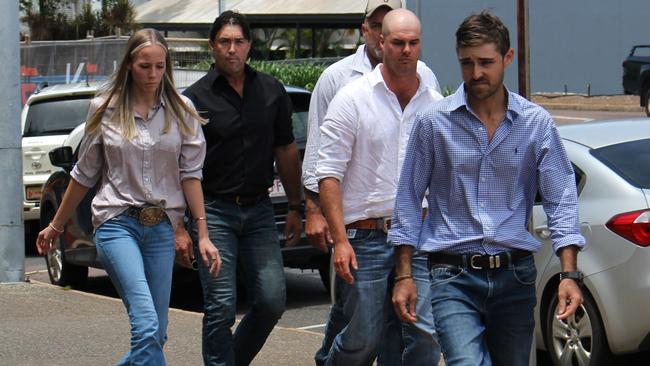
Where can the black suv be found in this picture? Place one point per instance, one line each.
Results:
(68, 261)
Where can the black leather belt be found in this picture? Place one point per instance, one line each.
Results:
(478, 261)
(241, 199)
(148, 216)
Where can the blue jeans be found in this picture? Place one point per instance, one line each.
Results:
(362, 324)
(139, 260)
(248, 243)
(420, 339)
(485, 317)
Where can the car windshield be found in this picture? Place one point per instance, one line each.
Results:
(631, 160)
(56, 116)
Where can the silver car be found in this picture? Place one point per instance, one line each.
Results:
(612, 164)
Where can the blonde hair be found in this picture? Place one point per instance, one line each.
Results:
(120, 88)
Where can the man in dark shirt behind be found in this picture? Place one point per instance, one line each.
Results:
(249, 124)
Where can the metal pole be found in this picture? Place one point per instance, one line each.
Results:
(12, 241)
(522, 48)
(222, 6)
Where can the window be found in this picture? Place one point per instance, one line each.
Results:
(57, 116)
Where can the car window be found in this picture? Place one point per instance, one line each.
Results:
(300, 102)
(630, 160)
(58, 116)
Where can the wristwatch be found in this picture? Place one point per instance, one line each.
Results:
(300, 208)
(574, 275)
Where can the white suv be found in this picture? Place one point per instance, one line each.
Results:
(46, 120)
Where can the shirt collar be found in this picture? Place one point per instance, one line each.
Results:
(214, 75)
(459, 99)
(375, 77)
(361, 62)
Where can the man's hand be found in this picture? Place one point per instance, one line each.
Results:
(344, 258)
(317, 230)
(405, 297)
(292, 228)
(184, 254)
(569, 298)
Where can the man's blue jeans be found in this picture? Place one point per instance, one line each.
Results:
(139, 260)
(247, 239)
(363, 315)
(484, 317)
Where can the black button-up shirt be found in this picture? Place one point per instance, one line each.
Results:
(241, 133)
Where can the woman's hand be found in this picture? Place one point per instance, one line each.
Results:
(46, 238)
(210, 256)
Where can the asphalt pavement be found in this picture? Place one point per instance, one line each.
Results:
(41, 324)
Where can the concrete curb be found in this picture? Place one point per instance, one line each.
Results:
(591, 107)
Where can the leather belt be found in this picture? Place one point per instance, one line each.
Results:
(382, 224)
(148, 216)
(241, 199)
(478, 261)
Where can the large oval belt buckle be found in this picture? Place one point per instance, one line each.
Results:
(151, 216)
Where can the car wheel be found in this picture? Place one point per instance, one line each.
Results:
(61, 272)
(579, 339)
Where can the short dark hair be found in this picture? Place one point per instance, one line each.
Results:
(481, 28)
(230, 17)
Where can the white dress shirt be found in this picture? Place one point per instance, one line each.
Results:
(363, 142)
(329, 83)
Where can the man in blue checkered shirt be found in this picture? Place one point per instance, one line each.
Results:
(483, 153)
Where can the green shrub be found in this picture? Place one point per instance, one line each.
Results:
(303, 74)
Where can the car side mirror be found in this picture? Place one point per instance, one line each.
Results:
(62, 157)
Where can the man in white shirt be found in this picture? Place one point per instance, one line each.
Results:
(362, 144)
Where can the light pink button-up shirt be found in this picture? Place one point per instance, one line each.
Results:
(145, 171)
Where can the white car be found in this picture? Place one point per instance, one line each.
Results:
(611, 160)
(48, 116)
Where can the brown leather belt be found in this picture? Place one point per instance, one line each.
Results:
(478, 261)
(382, 224)
(148, 216)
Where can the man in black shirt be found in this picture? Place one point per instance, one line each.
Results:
(249, 124)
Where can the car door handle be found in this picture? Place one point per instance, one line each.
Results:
(543, 232)
(34, 152)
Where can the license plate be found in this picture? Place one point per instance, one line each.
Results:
(33, 193)
(276, 190)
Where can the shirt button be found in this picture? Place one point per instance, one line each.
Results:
(480, 128)
(486, 227)
(482, 179)
(482, 205)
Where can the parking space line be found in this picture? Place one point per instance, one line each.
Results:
(312, 326)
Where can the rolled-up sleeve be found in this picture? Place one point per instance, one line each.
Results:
(558, 190)
(90, 163)
(337, 137)
(320, 100)
(193, 149)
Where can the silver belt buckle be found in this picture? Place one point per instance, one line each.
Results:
(471, 261)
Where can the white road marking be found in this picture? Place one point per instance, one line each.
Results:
(312, 326)
(574, 118)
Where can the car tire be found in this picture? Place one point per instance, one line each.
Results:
(61, 272)
(579, 339)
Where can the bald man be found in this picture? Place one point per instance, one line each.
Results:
(363, 139)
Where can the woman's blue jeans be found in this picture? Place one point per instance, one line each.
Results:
(139, 260)
(484, 317)
(249, 246)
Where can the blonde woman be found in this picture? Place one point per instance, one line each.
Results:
(145, 148)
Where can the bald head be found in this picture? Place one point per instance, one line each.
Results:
(399, 20)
